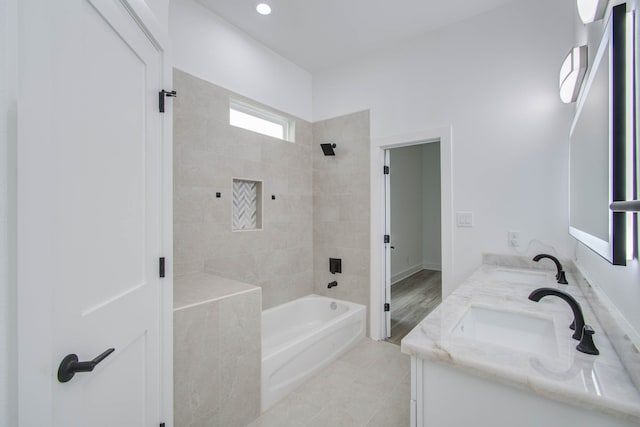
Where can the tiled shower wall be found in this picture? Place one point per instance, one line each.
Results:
(321, 206)
(341, 207)
(208, 155)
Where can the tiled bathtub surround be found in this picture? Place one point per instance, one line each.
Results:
(341, 220)
(208, 154)
(320, 210)
(217, 357)
(598, 383)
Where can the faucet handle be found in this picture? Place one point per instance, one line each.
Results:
(586, 344)
(562, 278)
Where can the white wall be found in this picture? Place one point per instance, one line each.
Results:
(8, 58)
(493, 79)
(431, 207)
(620, 284)
(406, 211)
(205, 45)
(160, 9)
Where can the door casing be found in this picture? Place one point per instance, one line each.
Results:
(378, 225)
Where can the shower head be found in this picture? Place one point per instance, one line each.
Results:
(327, 149)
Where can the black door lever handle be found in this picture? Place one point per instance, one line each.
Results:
(70, 365)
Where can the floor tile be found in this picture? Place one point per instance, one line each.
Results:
(368, 386)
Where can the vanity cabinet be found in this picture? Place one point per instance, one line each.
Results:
(473, 362)
(442, 395)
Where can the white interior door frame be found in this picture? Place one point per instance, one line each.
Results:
(36, 99)
(377, 270)
(387, 244)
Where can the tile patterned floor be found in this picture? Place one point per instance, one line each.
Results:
(367, 387)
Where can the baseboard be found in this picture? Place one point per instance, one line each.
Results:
(405, 273)
(436, 266)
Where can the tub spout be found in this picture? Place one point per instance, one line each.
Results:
(332, 284)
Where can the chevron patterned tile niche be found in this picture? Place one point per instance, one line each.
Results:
(247, 205)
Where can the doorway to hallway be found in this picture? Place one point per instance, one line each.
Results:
(413, 213)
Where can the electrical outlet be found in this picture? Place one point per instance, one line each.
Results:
(464, 219)
(513, 237)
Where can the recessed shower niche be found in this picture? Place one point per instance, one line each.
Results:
(247, 205)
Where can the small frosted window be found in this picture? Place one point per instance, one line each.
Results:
(256, 124)
(255, 119)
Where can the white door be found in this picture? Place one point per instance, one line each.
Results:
(90, 215)
(387, 244)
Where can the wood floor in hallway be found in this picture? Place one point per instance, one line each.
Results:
(412, 299)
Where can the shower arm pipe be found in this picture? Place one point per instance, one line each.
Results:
(627, 206)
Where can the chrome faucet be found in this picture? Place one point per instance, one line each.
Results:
(583, 332)
(560, 275)
(332, 284)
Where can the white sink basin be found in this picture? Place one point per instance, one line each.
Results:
(520, 276)
(517, 331)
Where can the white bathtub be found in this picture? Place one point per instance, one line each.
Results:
(301, 337)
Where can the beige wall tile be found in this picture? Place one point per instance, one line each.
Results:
(196, 364)
(183, 268)
(209, 153)
(240, 383)
(341, 218)
(217, 362)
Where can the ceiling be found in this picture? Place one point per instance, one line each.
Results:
(317, 34)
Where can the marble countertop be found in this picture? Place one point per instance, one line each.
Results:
(198, 288)
(596, 382)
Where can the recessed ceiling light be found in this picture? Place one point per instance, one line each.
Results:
(263, 9)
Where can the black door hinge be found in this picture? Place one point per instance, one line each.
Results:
(387, 307)
(161, 96)
(161, 267)
(387, 238)
(386, 170)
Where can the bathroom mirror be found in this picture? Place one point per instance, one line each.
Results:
(599, 139)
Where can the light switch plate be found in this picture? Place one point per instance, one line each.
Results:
(464, 219)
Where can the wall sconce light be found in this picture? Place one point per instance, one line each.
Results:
(572, 73)
(591, 10)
